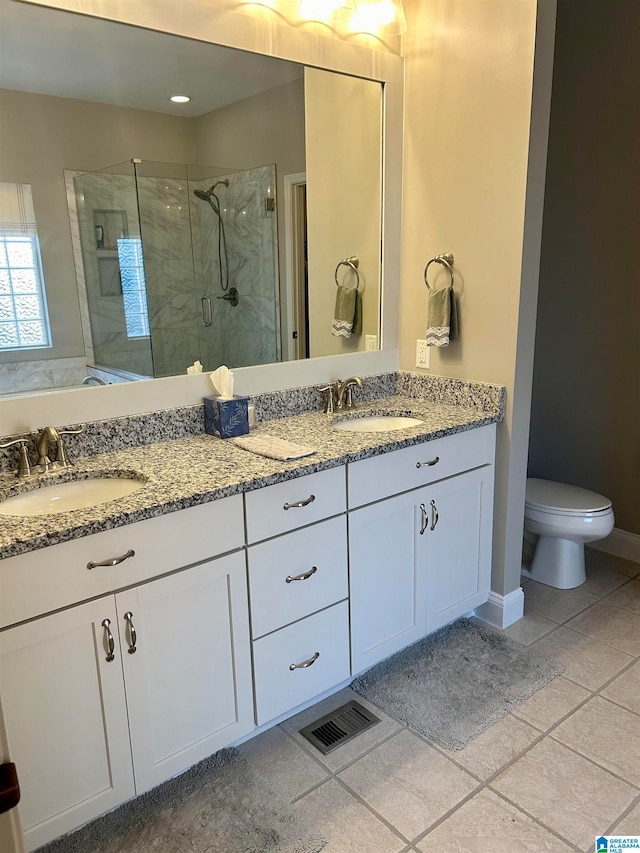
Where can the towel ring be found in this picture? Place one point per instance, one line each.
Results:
(446, 259)
(353, 264)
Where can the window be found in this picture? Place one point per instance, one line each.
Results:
(134, 292)
(23, 313)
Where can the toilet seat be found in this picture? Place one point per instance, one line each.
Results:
(554, 498)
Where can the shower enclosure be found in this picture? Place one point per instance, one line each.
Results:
(179, 264)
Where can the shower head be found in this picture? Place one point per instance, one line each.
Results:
(206, 195)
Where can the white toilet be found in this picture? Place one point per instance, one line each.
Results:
(564, 518)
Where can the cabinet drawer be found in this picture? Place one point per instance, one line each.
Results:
(316, 555)
(55, 577)
(285, 506)
(382, 476)
(280, 688)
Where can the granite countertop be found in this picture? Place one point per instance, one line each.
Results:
(196, 469)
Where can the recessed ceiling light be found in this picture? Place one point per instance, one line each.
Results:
(180, 99)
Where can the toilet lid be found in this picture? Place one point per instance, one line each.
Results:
(560, 497)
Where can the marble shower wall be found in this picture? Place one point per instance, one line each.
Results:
(116, 194)
(249, 333)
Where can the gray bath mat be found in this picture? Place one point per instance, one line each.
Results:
(221, 805)
(457, 682)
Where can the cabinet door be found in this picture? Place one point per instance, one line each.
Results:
(458, 545)
(388, 584)
(188, 683)
(66, 719)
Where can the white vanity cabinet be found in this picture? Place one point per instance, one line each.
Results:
(421, 558)
(298, 589)
(91, 722)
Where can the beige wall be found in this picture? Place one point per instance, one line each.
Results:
(586, 395)
(40, 136)
(469, 77)
(344, 124)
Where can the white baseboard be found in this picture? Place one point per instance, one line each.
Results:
(620, 543)
(502, 610)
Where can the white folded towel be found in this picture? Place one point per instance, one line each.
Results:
(273, 447)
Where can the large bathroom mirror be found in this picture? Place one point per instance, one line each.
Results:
(159, 233)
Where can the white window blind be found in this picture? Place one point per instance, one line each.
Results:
(23, 311)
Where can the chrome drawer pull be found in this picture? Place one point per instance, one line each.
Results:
(308, 501)
(429, 463)
(114, 562)
(434, 515)
(110, 641)
(305, 663)
(302, 577)
(132, 632)
(424, 520)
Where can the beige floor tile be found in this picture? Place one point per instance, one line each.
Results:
(495, 747)
(611, 625)
(276, 756)
(550, 704)
(625, 690)
(627, 596)
(565, 791)
(488, 824)
(606, 733)
(586, 661)
(600, 567)
(351, 750)
(555, 604)
(530, 628)
(629, 825)
(408, 782)
(348, 826)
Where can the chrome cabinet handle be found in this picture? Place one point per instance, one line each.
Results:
(424, 520)
(207, 315)
(303, 577)
(113, 562)
(429, 464)
(434, 515)
(308, 501)
(133, 637)
(109, 637)
(305, 663)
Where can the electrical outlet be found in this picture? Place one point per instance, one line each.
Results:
(371, 343)
(422, 354)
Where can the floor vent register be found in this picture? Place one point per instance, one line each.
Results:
(339, 727)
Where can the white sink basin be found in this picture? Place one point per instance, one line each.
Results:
(377, 423)
(73, 494)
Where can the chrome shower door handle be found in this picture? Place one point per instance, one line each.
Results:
(109, 638)
(207, 314)
(434, 515)
(133, 637)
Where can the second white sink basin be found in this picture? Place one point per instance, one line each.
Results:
(377, 423)
(69, 495)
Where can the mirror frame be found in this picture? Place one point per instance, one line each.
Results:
(198, 20)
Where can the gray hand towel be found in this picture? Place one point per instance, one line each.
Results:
(347, 315)
(442, 324)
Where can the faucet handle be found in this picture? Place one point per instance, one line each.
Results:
(24, 466)
(331, 390)
(62, 458)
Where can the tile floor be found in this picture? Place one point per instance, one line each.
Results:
(561, 769)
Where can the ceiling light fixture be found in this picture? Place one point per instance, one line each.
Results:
(180, 99)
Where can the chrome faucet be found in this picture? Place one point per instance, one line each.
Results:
(344, 395)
